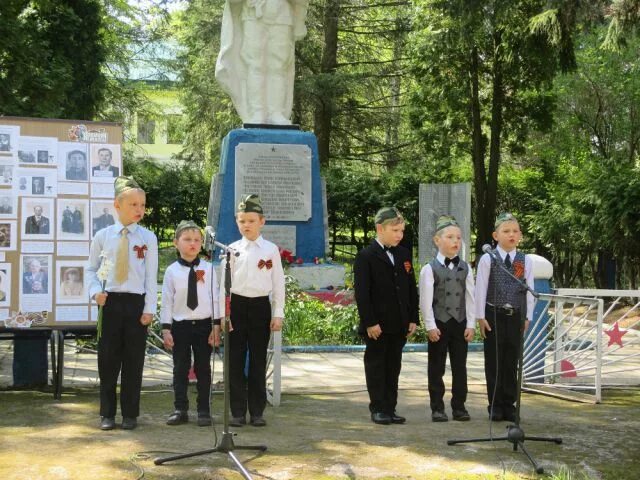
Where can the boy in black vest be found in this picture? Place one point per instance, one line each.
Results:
(498, 301)
(446, 302)
(387, 300)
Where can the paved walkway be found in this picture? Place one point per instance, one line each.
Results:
(301, 372)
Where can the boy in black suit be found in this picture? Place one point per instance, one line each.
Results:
(387, 300)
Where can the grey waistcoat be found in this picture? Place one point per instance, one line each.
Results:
(449, 290)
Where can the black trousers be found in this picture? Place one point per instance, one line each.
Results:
(382, 364)
(501, 373)
(188, 336)
(121, 349)
(451, 341)
(251, 320)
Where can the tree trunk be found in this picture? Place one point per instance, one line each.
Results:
(323, 114)
(477, 151)
(496, 133)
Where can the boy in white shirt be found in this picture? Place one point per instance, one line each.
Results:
(499, 296)
(190, 321)
(257, 309)
(446, 302)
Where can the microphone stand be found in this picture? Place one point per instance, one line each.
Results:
(515, 434)
(225, 444)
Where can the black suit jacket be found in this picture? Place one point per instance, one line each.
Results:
(386, 294)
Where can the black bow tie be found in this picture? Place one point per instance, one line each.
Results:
(387, 249)
(455, 260)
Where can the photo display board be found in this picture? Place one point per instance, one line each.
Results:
(56, 192)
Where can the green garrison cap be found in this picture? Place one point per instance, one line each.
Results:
(387, 213)
(124, 184)
(186, 225)
(250, 203)
(504, 217)
(445, 221)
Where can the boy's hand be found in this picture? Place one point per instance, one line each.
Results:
(146, 319)
(101, 298)
(167, 339)
(434, 334)
(526, 325)
(374, 332)
(412, 329)
(469, 333)
(484, 327)
(214, 336)
(230, 324)
(276, 324)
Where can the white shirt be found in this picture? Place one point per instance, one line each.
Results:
(426, 285)
(175, 288)
(143, 272)
(482, 281)
(248, 280)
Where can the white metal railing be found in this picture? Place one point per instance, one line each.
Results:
(574, 347)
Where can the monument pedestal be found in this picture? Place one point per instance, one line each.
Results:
(282, 167)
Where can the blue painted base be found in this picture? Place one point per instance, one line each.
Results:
(310, 240)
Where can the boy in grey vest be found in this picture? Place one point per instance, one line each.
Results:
(499, 301)
(447, 305)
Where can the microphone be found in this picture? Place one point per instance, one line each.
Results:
(486, 248)
(208, 230)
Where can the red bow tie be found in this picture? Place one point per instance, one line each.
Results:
(268, 264)
(200, 276)
(140, 250)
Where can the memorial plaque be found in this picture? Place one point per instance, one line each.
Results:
(280, 174)
(443, 199)
(284, 236)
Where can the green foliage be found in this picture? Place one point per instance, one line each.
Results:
(310, 321)
(175, 192)
(52, 57)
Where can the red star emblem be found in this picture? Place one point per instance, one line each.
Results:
(615, 335)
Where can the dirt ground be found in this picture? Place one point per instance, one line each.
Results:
(319, 436)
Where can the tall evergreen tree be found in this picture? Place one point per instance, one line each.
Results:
(483, 83)
(51, 58)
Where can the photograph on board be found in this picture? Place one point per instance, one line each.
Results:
(106, 162)
(73, 162)
(72, 219)
(37, 218)
(103, 214)
(70, 287)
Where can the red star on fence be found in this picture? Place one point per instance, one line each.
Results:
(615, 335)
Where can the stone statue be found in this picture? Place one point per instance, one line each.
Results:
(256, 61)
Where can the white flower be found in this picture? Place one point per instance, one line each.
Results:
(105, 267)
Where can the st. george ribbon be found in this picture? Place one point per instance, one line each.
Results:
(208, 231)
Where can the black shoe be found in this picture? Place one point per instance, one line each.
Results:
(381, 418)
(204, 419)
(237, 421)
(178, 417)
(461, 415)
(129, 423)
(107, 423)
(397, 418)
(496, 415)
(439, 416)
(258, 421)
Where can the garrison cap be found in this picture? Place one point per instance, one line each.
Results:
(504, 217)
(387, 213)
(186, 225)
(445, 221)
(250, 203)
(124, 184)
